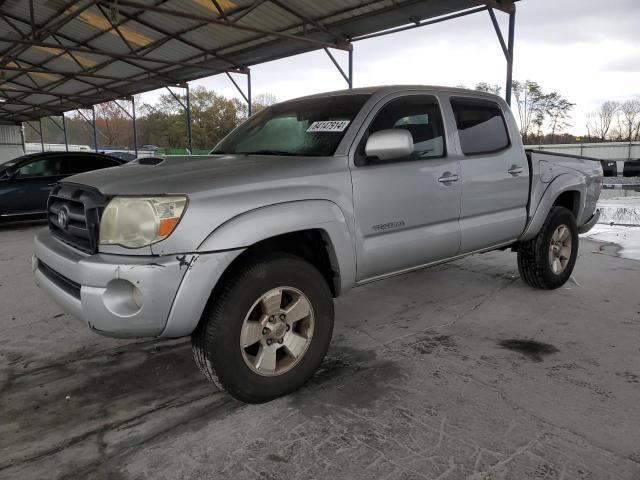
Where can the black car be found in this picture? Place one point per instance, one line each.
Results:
(609, 168)
(25, 181)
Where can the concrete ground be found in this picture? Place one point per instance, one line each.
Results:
(456, 372)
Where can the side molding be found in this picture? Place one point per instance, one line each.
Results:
(262, 223)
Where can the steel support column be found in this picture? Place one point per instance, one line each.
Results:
(62, 128)
(510, 45)
(248, 92)
(132, 116)
(507, 48)
(93, 125)
(186, 106)
(64, 131)
(41, 135)
(24, 143)
(348, 77)
(190, 139)
(351, 67)
(39, 132)
(135, 130)
(247, 96)
(95, 134)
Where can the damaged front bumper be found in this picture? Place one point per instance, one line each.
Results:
(128, 296)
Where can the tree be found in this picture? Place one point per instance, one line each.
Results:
(630, 119)
(262, 101)
(113, 125)
(557, 108)
(485, 87)
(599, 121)
(530, 102)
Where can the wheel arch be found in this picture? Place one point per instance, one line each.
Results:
(312, 229)
(564, 191)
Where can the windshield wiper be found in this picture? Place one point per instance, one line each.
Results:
(268, 152)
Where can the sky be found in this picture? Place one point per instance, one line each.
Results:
(586, 50)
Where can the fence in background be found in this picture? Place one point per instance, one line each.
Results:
(618, 151)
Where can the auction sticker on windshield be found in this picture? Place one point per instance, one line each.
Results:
(328, 126)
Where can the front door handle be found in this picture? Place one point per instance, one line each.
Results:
(515, 170)
(447, 177)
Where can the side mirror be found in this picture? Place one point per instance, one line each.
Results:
(11, 172)
(389, 144)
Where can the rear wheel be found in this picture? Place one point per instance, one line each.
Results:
(547, 260)
(267, 329)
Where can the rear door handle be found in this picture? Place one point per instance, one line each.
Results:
(448, 178)
(515, 170)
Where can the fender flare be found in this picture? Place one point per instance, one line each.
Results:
(562, 183)
(269, 221)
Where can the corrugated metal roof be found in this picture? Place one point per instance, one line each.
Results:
(82, 52)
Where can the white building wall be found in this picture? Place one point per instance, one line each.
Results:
(10, 142)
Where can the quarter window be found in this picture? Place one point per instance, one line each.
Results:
(481, 126)
(418, 114)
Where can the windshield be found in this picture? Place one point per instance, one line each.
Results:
(312, 127)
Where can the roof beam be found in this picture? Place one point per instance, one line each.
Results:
(238, 26)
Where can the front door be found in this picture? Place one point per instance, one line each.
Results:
(406, 209)
(29, 189)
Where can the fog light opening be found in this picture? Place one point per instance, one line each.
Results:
(122, 298)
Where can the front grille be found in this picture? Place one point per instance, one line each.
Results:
(66, 284)
(81, 217)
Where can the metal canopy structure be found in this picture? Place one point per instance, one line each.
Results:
(62, 55)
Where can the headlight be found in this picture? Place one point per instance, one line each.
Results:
(134, 222)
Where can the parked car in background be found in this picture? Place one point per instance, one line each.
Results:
(631, 168)
(25, 182)
(609, 168)
(126, 156)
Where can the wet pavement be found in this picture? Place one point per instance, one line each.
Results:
(619, 223)
(456, 372)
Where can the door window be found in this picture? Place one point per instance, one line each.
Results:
(481, 126)
(44, 167)
(419, 115)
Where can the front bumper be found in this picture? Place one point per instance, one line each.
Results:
(128, 296)
(590, 223)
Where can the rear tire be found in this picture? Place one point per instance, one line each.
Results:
(547, 260)
(267, 329)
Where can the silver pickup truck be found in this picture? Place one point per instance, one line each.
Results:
(245, 248)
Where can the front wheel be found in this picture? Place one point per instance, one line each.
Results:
(267, 329)
(547, 260)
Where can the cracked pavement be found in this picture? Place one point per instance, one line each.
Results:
(455, 372)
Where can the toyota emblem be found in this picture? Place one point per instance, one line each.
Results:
(63, 218)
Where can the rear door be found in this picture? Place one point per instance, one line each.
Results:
(406, 209)
(495, 175)
(27, 192)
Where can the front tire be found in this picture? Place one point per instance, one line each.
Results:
(547, 260)
(267, 329)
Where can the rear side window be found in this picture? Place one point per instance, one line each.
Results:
(481, 126)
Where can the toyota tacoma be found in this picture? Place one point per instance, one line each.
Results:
(244, 249)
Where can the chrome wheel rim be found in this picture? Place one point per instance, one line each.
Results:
(560, 249)
(277, 331)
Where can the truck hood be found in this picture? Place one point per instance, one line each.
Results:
(197, 174)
